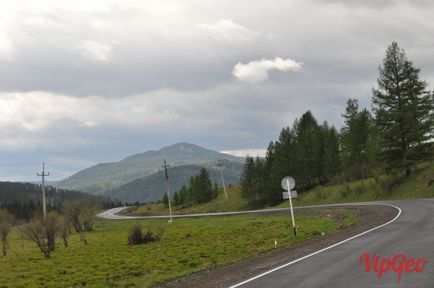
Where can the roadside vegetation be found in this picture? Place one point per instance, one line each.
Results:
(386, 145)
(386, 187)
(185, 246)
(383, 187)
(220, 204)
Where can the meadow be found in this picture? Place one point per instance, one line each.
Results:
(186, 246)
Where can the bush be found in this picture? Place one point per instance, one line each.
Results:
(137, 237)
(321, 193)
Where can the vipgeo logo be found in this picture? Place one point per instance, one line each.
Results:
(399, 264)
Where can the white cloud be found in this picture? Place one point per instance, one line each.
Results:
(229, 31)
(257, 71)
(96, 51)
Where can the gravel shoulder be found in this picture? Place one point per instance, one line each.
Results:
(224, 276)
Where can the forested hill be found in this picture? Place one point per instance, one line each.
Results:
(151, 188)
(108, 176)
(11, 192)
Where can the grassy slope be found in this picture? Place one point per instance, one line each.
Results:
(186, 246)
(234, 203)
(384, 188)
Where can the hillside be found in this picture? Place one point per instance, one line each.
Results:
(107, 176)
(386, 187)
(151, 188)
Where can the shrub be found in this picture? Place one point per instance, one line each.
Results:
(137, 237)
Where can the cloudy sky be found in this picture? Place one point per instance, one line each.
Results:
(83, 82)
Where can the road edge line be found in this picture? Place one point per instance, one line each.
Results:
(322, 250)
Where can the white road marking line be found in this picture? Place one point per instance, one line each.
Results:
(322, 250)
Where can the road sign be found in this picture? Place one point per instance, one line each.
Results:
(288, 183)
(285, 181)
(294, 194)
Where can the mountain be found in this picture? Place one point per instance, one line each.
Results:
(151, 188)
(108, 176)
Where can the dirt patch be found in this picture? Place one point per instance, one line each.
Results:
(224, 276)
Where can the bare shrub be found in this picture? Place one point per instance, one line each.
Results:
(137, 237)
(80, 214)
(43, 232)
(6, 221)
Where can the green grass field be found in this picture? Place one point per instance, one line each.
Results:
(186, 246)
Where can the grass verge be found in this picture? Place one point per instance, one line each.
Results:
(186, 246)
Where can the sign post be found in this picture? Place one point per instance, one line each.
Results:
(288, 183)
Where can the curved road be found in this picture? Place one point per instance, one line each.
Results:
(412, 234)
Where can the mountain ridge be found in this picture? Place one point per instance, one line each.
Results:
(103, 177)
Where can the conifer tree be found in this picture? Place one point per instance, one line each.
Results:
(403, 110)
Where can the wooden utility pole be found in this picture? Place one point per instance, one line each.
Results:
(43, 175)
(220, 166)
(167, 189)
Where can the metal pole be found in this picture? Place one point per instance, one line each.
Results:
(220, 165)
(44, 207)
(290, 205)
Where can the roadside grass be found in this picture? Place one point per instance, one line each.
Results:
(385, 187)
(186, 246)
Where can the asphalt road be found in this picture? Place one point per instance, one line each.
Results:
(412, 234)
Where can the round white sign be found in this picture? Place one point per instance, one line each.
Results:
(284, 183)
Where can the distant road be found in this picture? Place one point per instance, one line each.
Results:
(112, 214)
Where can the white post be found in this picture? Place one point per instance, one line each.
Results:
(170, 205)
(290, 206)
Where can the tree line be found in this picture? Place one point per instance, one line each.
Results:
(199, 190)
(23, 200)
(396, 135)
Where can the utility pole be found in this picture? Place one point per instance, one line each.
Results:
(167, 189)
(43, 175)
(220, 166)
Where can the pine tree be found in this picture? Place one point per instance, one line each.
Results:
(404, 111)
(204, 191)
(248, 181)
(176, 201)
(184, 198)
(358, 140)
(283, 163)
(306, 155)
